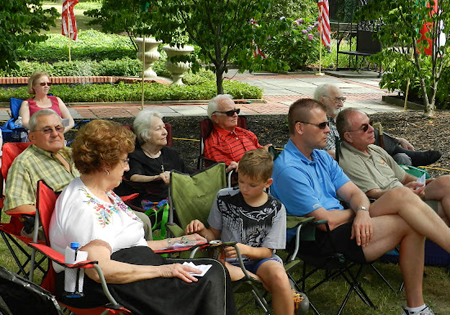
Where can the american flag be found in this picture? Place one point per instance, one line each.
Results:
(324, 22)
(69, 24)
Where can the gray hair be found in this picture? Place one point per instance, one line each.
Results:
(214, 103)
(323, 90)
(42, 112)
(142, 124)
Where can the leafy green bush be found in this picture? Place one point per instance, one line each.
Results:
(122, 67)
(298, 46)
(91, 45)
(122, 92)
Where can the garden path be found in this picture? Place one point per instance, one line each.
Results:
(280, 90)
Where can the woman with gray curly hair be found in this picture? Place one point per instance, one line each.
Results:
(152, 160)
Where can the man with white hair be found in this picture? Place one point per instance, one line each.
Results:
(227, 142)
(399, 148)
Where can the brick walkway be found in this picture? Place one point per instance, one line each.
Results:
(279, 91)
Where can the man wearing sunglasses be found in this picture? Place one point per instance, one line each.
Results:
(374, 171)
(309, 182)
(399, 148)
(227, 142)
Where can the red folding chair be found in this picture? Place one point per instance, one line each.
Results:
(10, 231)
(45, 204)
(206, 126)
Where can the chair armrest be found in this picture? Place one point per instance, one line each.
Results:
(59, 258)
(175, 230)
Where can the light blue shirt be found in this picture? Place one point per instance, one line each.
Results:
(303, 185)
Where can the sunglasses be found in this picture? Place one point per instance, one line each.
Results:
(229, 113)
(321, 125)
(45, 83)
(364, 128)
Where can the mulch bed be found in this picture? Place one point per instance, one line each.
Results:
(424, 133)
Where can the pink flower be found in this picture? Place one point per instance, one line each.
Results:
(299, 21)
(304, 31)
(310, 36)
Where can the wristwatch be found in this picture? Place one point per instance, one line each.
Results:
(362, 208)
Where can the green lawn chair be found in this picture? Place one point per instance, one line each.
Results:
(191, 197)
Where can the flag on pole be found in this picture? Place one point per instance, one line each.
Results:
(69, 23)
(324, 23)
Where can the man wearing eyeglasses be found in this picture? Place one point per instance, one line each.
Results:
(48, 159)
(374, 171)
(399, 148)
(227, 142)
(309, 182)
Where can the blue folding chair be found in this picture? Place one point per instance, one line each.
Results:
(10, 131)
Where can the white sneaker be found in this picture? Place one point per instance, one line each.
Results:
(425, 311)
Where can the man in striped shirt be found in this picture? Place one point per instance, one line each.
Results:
(227, 142)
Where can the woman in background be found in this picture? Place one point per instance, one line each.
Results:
(39, 85)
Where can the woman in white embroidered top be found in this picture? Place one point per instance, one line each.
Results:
(88, 212)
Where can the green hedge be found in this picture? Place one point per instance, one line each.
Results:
(132, 92)
(121, 67)
(91, 45)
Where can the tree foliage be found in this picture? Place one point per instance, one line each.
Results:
(222, 29)
(118, 16)
(21, 22)
(403, 54)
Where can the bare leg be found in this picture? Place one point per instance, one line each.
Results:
(417, 214)
(390, 230)
(439, 189)
(276, 281)
(236, 272)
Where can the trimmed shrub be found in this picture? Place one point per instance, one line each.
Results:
(123, 92)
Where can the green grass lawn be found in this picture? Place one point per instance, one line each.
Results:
(329, 296)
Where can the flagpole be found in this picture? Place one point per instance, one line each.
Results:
(320, 41)
(142, 76)
(68, 35)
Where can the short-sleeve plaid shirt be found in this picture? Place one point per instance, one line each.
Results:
(225, 146)
(331, 137)
(31, 166)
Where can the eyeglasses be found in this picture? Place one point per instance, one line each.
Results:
(45, 83)
(49, 130)
(127, 160)
(321, 125)
(229, 113)
(364, 128)
(341, 99)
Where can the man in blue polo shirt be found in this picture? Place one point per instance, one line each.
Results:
(308, 182)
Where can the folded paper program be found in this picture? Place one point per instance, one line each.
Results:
(203, 268)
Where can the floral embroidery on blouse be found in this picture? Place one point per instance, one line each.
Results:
(104, 211)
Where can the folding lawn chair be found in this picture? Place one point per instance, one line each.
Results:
(45, 204)
(206, 126)
(191, 197)
(334, 265)
(14, 290)
(10, 231)
(10, 131)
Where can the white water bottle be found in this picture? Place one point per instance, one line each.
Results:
(73, 278)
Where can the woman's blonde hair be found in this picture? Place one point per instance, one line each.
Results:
(33, 78)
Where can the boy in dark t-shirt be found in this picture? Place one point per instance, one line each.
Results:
(257, 222)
